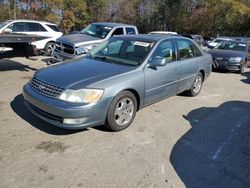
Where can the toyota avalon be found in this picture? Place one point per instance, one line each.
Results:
(115, 80)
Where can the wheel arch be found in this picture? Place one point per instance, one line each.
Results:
(203, 73)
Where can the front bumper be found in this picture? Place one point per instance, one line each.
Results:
(226, 65)
(54, 111)
(61, 56)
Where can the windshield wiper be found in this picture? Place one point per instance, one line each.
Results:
(105, 59)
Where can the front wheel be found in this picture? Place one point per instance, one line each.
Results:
(50, 46)
(122, 111)
(196, 86)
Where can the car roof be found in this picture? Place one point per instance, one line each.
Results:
(112, 24)
(149, 37)
(26, 20)
(163, 32)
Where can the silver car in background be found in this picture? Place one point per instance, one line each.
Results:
(116, 79)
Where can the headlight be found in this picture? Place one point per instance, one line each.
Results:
(82, 95)
(83, 49)
(235, 59)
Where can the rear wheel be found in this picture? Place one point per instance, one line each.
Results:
(196, 86)
(122, 111)
(49, 48)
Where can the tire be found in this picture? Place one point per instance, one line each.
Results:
(241, 71)
(49, 47)
(196, 86)
(122, 111)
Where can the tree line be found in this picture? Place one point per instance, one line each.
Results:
(205, 17)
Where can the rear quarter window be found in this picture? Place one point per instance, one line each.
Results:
(130, 31)
(53, 27)
(187, 49)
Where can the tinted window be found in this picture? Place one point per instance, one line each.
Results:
(130, 30)
(35, 27)
(187, 49)
(118, 31)
(18, 27)
(165, 50)
(53, 27)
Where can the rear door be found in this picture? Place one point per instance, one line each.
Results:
(162, 81)
(36, 29)
(189, 60)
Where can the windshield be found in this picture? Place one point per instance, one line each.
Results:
(231, 45)
(123, 51)
(96, 30)
(2, 24)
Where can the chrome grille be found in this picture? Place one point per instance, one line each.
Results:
(66, 48)
(45, 88)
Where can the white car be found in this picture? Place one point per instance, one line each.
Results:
(33, 27)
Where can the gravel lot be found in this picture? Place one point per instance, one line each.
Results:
(179, 142)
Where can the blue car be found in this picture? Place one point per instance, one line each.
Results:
(115, 80)
(231, 55)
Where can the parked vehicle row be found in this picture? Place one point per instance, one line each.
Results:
(120, 72)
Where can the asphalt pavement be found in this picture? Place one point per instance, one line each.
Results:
(178, 142)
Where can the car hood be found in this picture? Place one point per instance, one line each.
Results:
(80, 73)
(78, 39)
(225, 53)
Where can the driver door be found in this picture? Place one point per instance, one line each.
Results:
(162, 81)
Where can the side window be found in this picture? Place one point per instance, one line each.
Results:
(18, 27)
(53, 27)
(118, 31)
(11, 27)
(114, 47)
(130, 30)
(165, 50)
(197, 52)
(35, 27)
(187, 49)
(42, 28)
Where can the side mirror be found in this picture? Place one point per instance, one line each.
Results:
(158, 62)
(7, 30)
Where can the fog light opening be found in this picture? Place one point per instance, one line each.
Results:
(75, 121)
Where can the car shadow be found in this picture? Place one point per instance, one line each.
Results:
(19, 108)
(247, 79)
(215, 152)
(49, 61)
(9, 65)
(15, 53)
